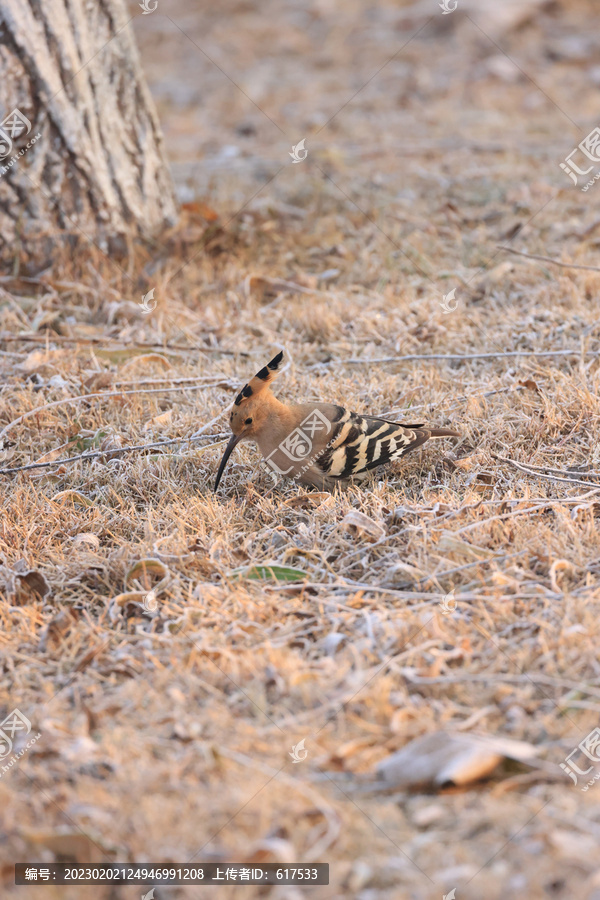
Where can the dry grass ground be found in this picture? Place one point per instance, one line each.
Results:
(165, 735)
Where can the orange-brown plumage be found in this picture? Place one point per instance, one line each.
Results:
(320, 444)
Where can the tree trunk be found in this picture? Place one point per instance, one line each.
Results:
(80, 143)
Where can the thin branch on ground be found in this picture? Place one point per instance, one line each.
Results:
(548, 259)
(459, 357)
(503, 677)
(114, 452)
(592, 473)
(528, 471)
(53, 338)
(103, 394)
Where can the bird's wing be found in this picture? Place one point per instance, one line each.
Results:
(402, 424)
(361, 443)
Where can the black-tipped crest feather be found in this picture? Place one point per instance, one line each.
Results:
(261, 380)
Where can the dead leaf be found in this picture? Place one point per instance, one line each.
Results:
(112, 442)
(468, 462)
(260, 287)
(328, 274)
(424, 333)
(445, 758)
(557, 566)
(41, 360)
(530, 385)
(357, 523)
(481, 482)
(98, 381)
(574, 846)
(272, 849)
(350, 749)
(308, 501)
(465, 463)
(499, 275)
(332, 642)
(201, 210)
(145, 567)
(129, 597)
(499, 18)
(160, 421)
(74, 496)
(30, 586)
(58, 628)
(145, 362)
(450, 544)
(412, 572)
(133, 604)
(6, 454)
(68, 845)
(87, 537)
(118, 355)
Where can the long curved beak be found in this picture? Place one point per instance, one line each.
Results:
(233, 440)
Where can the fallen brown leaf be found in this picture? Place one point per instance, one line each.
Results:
(444, 758)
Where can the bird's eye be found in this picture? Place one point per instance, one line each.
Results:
(248, 421)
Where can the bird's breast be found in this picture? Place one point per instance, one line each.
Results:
(291, 448)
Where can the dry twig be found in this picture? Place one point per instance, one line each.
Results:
(548, 259)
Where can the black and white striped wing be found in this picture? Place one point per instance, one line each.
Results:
(362, 443)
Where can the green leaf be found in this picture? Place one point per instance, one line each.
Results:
(82, 444)
(261, 573)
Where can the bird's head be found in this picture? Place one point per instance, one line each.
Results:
(250, 410)
(247, 420)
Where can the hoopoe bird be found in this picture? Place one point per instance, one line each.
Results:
(320, 444)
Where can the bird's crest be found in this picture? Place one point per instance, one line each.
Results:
(261, 380)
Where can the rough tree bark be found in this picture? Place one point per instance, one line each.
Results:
(74, 103)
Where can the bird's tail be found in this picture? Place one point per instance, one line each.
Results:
(443, 432)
